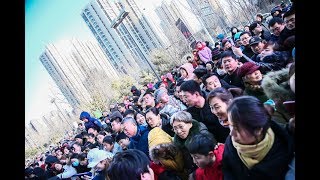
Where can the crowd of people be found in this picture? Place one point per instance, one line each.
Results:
(225, 113)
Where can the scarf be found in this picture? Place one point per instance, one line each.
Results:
(253, 154)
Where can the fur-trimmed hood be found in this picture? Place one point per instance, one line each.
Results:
(275, 85)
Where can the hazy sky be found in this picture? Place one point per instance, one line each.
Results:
(47, 21)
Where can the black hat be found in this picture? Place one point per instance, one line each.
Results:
(253, 25)
(78, 136)
(116, 114)
(254, 40)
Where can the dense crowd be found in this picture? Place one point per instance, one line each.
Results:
(226, 113)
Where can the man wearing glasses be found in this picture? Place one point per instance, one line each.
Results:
(276, 26)
(245, 38)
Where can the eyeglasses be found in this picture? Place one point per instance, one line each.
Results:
(175, 129)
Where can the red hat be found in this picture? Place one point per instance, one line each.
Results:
(247, 68)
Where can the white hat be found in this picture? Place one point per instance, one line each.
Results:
(95, 156)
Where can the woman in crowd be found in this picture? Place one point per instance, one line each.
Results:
(257, 148)
(219, 99)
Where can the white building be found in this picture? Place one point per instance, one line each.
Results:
(123, 32)
(72, 64)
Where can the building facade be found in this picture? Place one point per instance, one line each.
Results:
(77, 67)
(123, 32)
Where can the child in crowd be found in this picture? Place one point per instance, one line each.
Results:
(123, 140)
(207, 155)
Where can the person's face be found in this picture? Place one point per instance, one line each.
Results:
(58, 152)
(256, 76)
(199, 45)
(219, 108)
(58, 167)
(277, 28)
(90, 130)
(257, 48)
(164, 98)
(181, 129)
(79, 140)
(148, 100)
(240, 135)
(116, 126)
(153, 120)
(76, 148)
(246, 28)
(257, 30)
(140, 119)
(258, 19)
(201, 160)
(101, 165)
(129, 129)
(91, 139)
(66, 151)
(183, 72)
(108, 146)
(234, 30)
(190, 99)
(213, 82)
(290, 21)
(121, 109)
(124, 143)
(238, 43)
(209, 66)
(275, 14)
(227, 45)
(81, 126)
(229, 64)
(84, 162)
(266, 51)
(245, 39)
(100, 138)
(85, 120)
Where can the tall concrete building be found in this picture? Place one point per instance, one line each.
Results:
(123, 32)
(77, 67)
(204, 11)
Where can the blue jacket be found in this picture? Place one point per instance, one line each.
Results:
(140, 140)
(92, 121)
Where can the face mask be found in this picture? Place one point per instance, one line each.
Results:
(221, 72)
(75, 163)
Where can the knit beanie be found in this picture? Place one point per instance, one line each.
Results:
(157, 136)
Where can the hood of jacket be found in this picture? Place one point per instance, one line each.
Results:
(275, 85)
(84, 114)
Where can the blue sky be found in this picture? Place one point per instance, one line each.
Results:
(47, 21)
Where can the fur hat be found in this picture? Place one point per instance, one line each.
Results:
(247, 68)
(158, 136)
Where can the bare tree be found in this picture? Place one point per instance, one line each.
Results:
(121, 88)
(161, 59)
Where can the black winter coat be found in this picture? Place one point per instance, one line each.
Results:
(274, 165)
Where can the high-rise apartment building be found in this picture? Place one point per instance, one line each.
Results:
(77, 67)
(123, 32)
